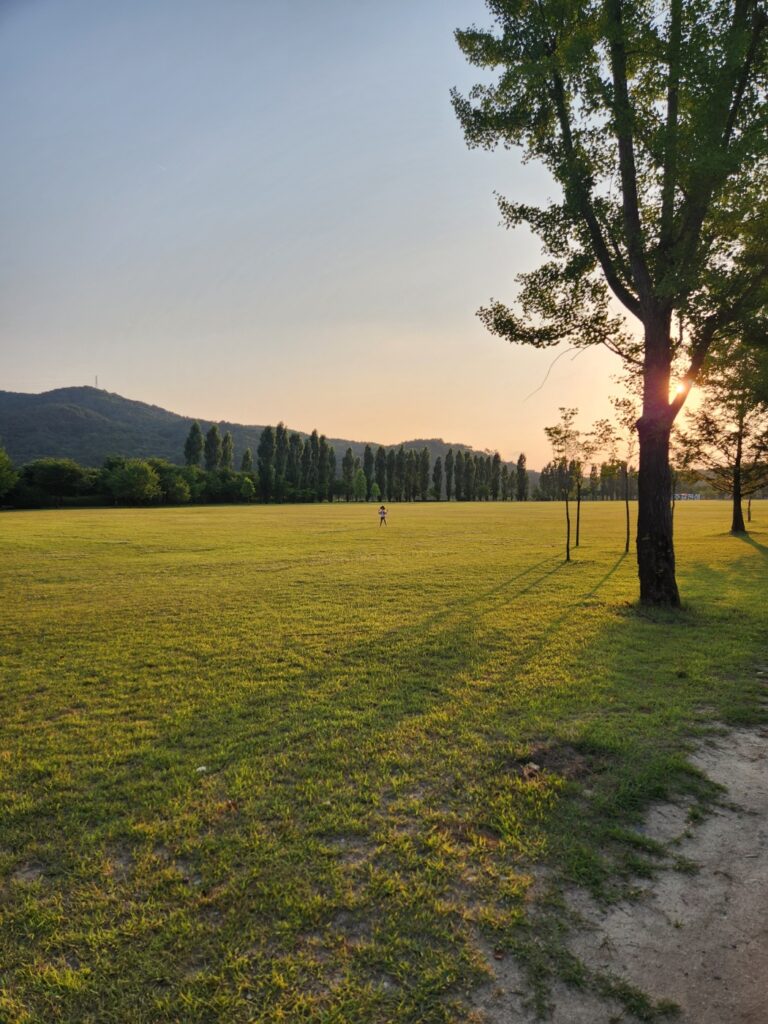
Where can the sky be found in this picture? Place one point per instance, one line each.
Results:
(254, 210)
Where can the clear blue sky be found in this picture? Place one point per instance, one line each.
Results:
(256, 210)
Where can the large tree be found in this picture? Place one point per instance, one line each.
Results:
(653, 120)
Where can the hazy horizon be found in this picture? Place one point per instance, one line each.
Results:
(248, 213)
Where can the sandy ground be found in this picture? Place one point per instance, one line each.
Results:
(699, 940)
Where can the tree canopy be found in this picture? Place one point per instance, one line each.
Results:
(653, 120)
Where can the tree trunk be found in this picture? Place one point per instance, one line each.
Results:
(626, 507)
(567, 530)
(737, 522)
(655, 547)
(578, 512)
(749, 510)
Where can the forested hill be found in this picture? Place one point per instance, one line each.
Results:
(87, 425)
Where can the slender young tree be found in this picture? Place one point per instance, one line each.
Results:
(193, 446)
(653, 120)
(564, 439)
(246, 463)
(449, 475)
(228, 451)
(213, 449)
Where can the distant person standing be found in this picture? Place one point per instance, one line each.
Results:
(382, 515)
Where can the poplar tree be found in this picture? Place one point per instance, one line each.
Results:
(331, 472)
(246, 463)
(521, 479)
(306, 468)
(504, 482)
(391, 474)
(281, 459)
(228, 451)
(314, 471)
(348, 473)
(423, 473)
(458, 472)
(495, 476)
(323, 468)
(193, 446)
(369, 470)
(381, 470)
(449, 475)
(410, 475)
(437, 479)
(213, 449)
(360, 485)
(653, 121)
(470, 477)
(266, 458)
(293, 462)
(399, 474)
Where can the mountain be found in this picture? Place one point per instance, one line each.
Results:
(87, 425)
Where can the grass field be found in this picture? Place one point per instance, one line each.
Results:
(267, 764)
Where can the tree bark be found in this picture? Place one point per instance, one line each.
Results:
(737, 521)
(567, 530)
(626, 506)
(578, 512)
(655, 547)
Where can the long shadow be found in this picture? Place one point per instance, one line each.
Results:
(748, 539)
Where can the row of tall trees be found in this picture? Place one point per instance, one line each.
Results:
(289, 468)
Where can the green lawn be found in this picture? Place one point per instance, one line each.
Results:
(266, 764)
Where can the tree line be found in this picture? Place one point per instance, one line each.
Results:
(285, 468)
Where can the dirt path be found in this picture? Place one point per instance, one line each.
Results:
(698, 940)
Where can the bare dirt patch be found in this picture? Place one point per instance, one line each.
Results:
(699, 940)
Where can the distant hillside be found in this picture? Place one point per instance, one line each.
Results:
(88, 425)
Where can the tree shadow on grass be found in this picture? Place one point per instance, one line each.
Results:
(400, 741)
(747, 538)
